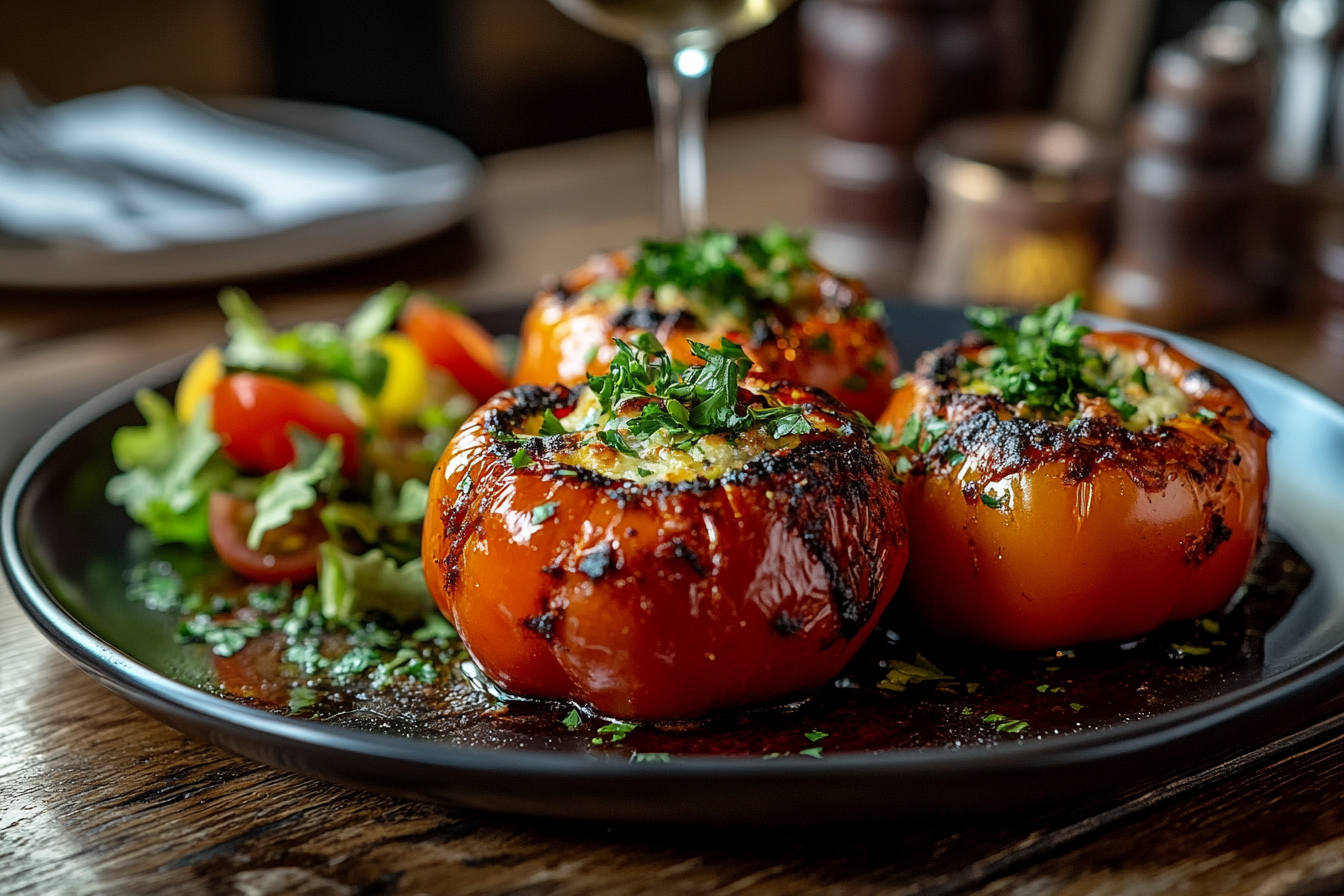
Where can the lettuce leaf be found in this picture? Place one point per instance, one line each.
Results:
(293, 488)
(350, 585)
(169, 471)
(315, 350)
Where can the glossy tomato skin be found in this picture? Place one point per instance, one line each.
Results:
(253, 412)
(1103, 537)
(287, 553)
(454, 343)
(849, 356)
(668, 601)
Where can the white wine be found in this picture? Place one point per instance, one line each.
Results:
(663, 26)
(678, 39)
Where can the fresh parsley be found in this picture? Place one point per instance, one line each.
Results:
(723, 273)
(901, 674)
(1040, 361)
(542, 512)
(687, 403)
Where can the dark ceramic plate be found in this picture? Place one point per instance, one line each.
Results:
(927, 751)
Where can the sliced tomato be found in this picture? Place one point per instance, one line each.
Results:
(289, 552)
(457, 344)
(253, 414)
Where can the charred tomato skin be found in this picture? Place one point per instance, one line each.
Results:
(851, 357)
(1099, 534)
(666, 601)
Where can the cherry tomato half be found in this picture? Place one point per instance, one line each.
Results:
(1034, 534)
(288, 552)
(457, 344)
(253, 413)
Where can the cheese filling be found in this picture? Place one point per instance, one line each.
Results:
(660, 457)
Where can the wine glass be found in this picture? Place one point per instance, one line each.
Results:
(678, 39)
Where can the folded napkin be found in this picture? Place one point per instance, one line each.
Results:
(137, 168)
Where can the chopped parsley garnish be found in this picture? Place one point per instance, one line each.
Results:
(990, 501)
(900, 674)
(1004, 724)
(617, 730)
(542, 512)
(814, 752)
(687, 403)
(1041, 361)
(225, 637)
(720, 272)
(156, 585)
(573, 720)
(301, 698)
(1205, 415)
(815, 736)
(550, 424)
(521, 459)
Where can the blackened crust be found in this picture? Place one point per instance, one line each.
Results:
(828, 475)
(985, 427)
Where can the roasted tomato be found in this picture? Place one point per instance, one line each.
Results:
(253, 413)
(1098, 519)
(795, 320)
(287, 552)
(663, 576)
(455, 343)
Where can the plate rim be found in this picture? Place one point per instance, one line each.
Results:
(127, 676)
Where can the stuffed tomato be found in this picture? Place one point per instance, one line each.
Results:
(660, 545)
(1066, 486)
(794, 319)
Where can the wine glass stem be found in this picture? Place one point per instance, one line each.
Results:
(679, 85)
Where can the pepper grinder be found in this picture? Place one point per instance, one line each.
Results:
(878, 75)
(1183, 251)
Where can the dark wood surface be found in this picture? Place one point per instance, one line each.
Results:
(96, 797)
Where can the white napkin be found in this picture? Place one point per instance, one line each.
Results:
(137, 168)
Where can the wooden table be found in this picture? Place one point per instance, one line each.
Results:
(97, 798)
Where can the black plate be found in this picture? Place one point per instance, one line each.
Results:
(51, 539)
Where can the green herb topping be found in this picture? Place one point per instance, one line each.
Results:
(1041, 364)
(688, 403)
(720, 272)
(1041, 361)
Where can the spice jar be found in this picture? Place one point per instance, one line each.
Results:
(1019, 207)
(878, 75)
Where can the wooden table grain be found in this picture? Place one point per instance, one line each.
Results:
(96, 797)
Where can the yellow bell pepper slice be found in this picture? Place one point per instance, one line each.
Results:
(198, 383)
(407, 384)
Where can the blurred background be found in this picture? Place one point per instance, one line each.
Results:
(498, 74)
(1170, 157)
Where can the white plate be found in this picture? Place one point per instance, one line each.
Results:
(312, 245)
